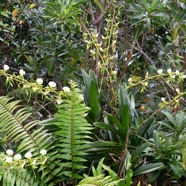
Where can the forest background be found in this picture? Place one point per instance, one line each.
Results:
(101, 90)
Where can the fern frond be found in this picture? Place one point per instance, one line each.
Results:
(14, 127)
(28, 136)
(73, 132)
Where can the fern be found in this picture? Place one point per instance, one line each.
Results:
(73, 132)
(15, 128)
(65, 157)
(27, 136)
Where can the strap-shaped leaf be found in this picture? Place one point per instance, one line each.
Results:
(148, 168)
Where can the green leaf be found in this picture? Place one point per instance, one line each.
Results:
(156, 139)
(115, 121)
(177, 169)
(144, 2)
(113, 175)
(107, 127)
(5, 13)
(99, 179)
(169, 116)
(136, 78)
(154, 4)
(139, 150)
(168, 125)
(91, 94)
(144, 169)
(124, 110)
(98, 3)
(129, 174)
(29, 59)
(104, 144)
(153, 176)
(99, 168)
(144, 130)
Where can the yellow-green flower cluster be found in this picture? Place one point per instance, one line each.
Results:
(49, 91)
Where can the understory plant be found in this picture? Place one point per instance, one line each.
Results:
(73, 133)
(65, 138)
(68, 137)
(130, 110)
(100, 179)
(129, 138)
(21, 134)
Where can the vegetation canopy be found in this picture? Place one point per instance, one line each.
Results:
(92, 93)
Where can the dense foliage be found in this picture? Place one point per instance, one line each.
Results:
(101, 92)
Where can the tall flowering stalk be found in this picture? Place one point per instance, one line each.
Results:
(49, 91)
(169, 78)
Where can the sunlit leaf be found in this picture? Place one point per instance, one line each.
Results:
(15, 12)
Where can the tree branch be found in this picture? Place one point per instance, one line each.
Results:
(96, 21)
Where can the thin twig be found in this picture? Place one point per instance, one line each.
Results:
(139, 49)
